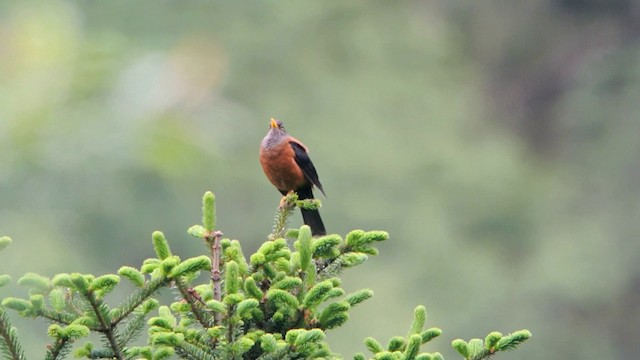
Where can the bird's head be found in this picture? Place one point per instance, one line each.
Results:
(276, 125)
(276, 133)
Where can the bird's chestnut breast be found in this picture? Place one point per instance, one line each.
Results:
(280, 167)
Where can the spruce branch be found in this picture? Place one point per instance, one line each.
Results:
(100, 354)
(132, 329)
(36, 282)
(135, 324)
(285, 209)
(476, 349)
(139, 297)
(9, 344)
(189, 351)
(198, 307)
(64, 338)
(430, 334)
(187, 345)
(58, 349)
(406, 347)
(359, 296)
(107, 328)
(511, 341)
(335, 266)
(133, 275)
(288, 204)
(57, 316)
(276, 306)
(190, 268)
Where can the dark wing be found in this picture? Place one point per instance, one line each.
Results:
(303, 160)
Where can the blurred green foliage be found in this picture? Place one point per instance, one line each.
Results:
(496, 143)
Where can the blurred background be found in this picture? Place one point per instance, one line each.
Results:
(496, 141)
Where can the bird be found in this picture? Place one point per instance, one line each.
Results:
(286, 163)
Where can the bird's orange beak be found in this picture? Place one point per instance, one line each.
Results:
(273, 124)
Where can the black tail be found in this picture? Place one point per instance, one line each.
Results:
(311, 217)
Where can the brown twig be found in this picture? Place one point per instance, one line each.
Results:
(213, 240)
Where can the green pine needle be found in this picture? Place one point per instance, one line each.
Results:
(413, 347)
(75, 331)
(132, 274)
(245, 307)
(191, 265)
(430, 334)
(419, 318)
(79, 282)
(36, 282)
(4, 242)
(375, 235)
(16, 304)
(160, 245)
(317, 294)
(283, 299)
(105, 283)
(476, 349)
(209, 211)
(232, 278)
(461, 347)
(197, 231)
(288, 283)
(326, 245)
(268, 343)
(492, 339)
(305, 247)
(511, 341)
(354, 238)
(373, 345)
(251, 289)
(216, 306)
(313, 335)
(4, 280)
(63, 280)
(278, 307)
(331, 311)
(9, 345)
(397, 343)
(57, 299)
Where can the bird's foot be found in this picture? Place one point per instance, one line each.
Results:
(287, 200)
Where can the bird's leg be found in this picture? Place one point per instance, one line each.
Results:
(285, 201)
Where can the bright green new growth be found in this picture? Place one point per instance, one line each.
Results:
(160, 245)
(274, 304)
(476, 349)
(419, 318)
(208, 211)
(132, 274)
(4, 280)
(4, 242)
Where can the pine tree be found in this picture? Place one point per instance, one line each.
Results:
(275, 304)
